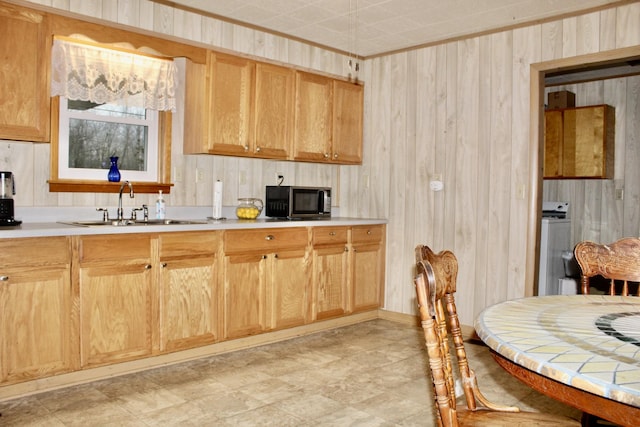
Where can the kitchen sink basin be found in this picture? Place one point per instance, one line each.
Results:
(132, 222)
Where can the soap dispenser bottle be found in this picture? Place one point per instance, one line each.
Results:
(160, 206)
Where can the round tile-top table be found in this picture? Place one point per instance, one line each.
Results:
(584, 348)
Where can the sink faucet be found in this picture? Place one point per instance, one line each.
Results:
(120, 211)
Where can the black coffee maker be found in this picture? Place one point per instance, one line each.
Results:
(7, 191)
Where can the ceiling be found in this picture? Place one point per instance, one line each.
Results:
(369, 28)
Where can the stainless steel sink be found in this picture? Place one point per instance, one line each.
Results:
(130, 222)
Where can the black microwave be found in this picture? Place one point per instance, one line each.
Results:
(297, 202)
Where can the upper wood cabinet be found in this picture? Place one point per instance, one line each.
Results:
(238, 107)
(313, 118)
(273, 111)
(328, 120)
(24, 74)
(348, 99)
(579, 142)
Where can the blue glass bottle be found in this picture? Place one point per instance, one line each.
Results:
(114, 173)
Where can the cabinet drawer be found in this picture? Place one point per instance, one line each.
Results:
(115, 247)
(366, 234)
(39, 251)
(181, 244)
(264, 239)
(329, 235)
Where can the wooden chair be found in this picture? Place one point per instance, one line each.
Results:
(619, 262)
(435, 285)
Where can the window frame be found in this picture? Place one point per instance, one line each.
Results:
(163, 182)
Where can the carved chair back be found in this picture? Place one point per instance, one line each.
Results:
(619, 262)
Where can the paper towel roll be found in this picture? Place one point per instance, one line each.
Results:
(217, 200)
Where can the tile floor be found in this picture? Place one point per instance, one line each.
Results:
(371, 374)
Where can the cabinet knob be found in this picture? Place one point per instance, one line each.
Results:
(332, 233)
(269, 237)
(326, 155)
(164, 264)
(346, 249)
(4, 278)
(246, 148)
(335, 155)
(264, 257)
(258, 149)
(369, 232)
(147, 267)
(275, 255)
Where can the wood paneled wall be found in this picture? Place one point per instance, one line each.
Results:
(458, 110)
(462, 110)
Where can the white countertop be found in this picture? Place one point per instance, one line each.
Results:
(42, 229)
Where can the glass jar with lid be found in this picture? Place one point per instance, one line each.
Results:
(249, 208)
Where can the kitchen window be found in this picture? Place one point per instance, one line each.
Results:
(90, 134)
(110, 102)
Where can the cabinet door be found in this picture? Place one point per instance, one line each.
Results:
(230, 91)
(274, 111)
(188, 308)
(115, 298)
(347, 123)
(115, 313)
(35, 322)
(330, 281)
(588, 142)
(312, 141)
(290, 285)
(553, 136)
(367, 267)
(245, 295)
(24, 85)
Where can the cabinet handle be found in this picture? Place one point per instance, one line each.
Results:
(4, 278)
(164, 264)
(147, 267)
(333, 233)
(269, 237)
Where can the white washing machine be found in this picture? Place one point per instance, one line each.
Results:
(555, 237)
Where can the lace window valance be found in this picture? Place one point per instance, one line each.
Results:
(87, 72)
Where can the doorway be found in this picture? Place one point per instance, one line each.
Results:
(539, 71)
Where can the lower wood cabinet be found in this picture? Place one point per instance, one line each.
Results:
(330, 272)
(89, 301)
(266, 280)
(37, 333)
(367, 267)
(116, 298)
(189, 302)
